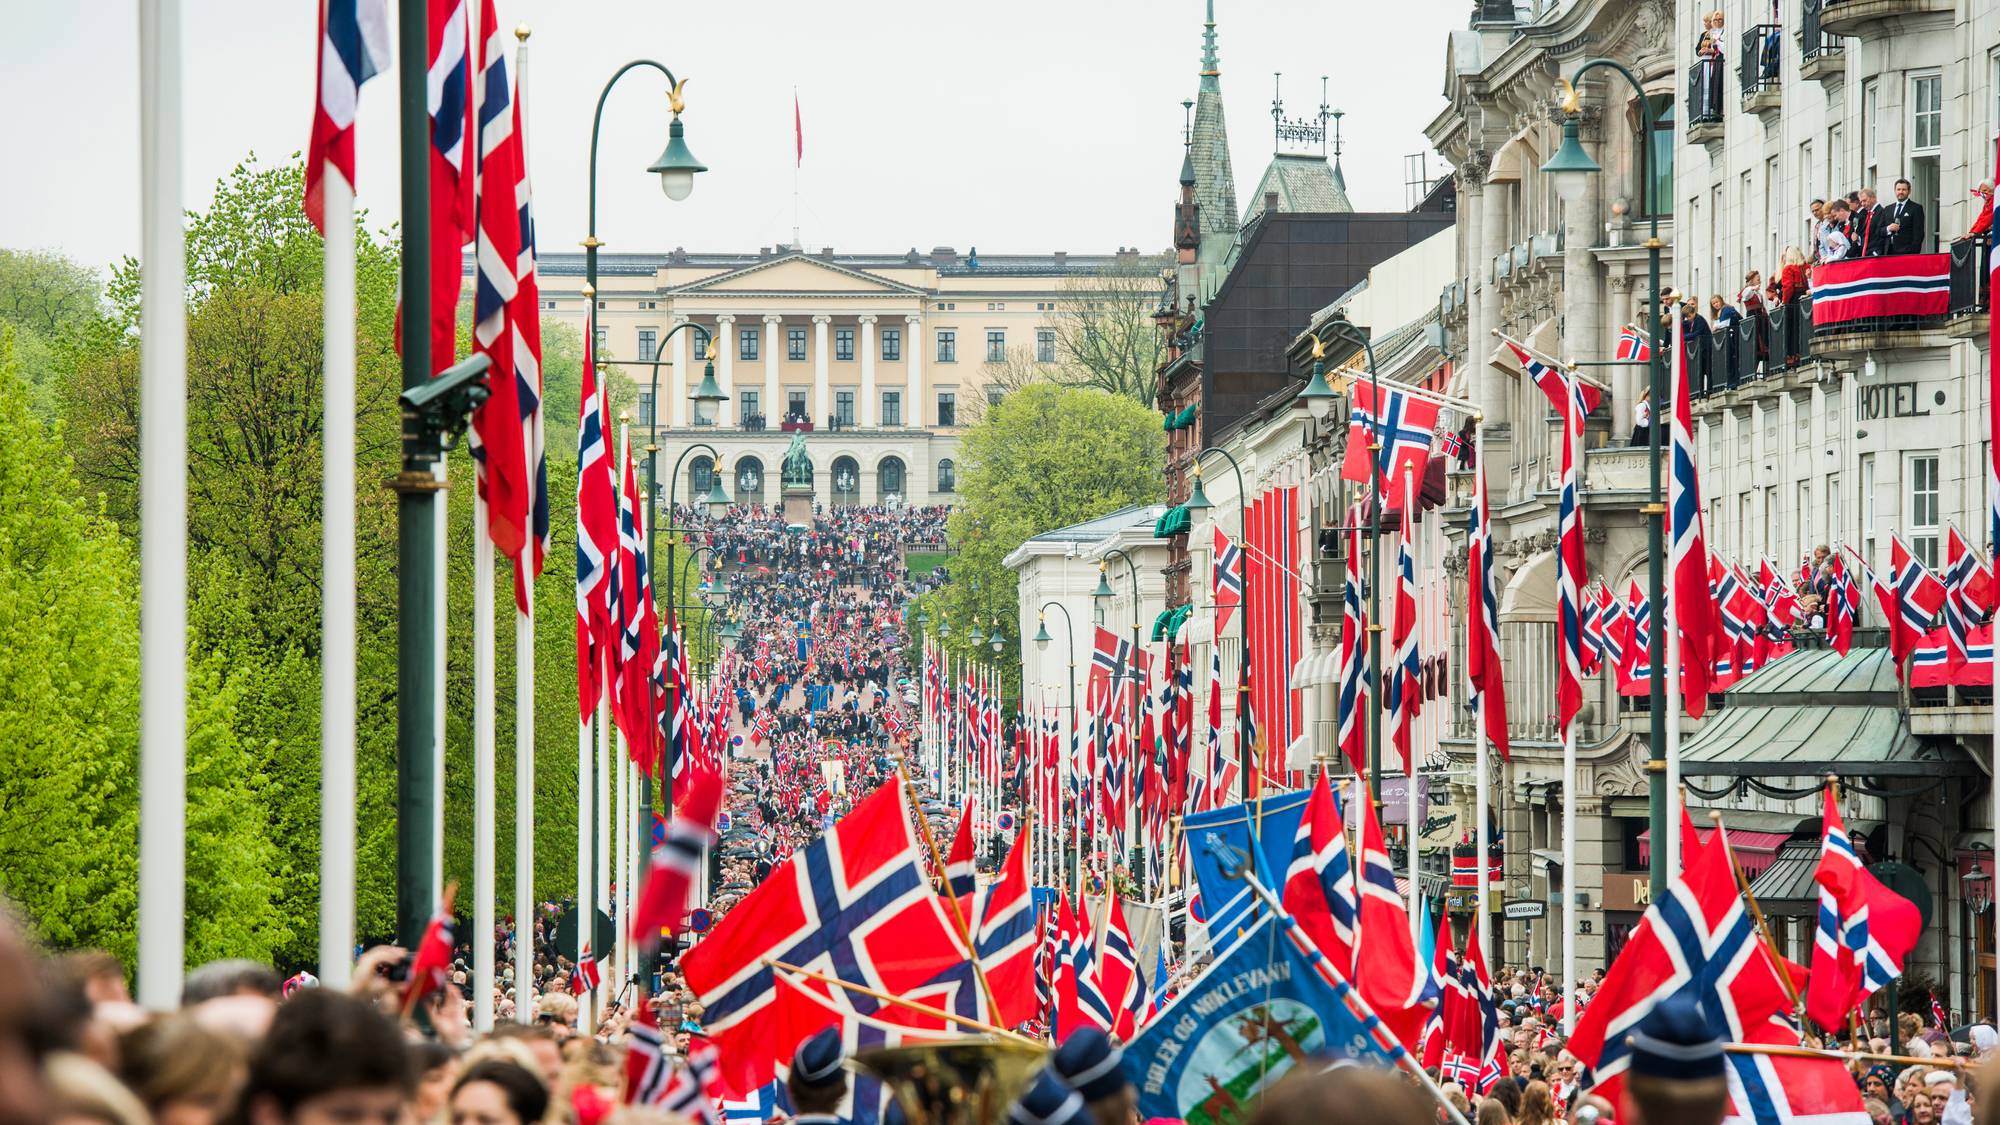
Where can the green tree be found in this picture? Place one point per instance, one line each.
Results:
(1105, 335)
(1045, 457)
(42, 294)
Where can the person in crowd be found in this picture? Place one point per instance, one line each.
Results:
(1342, 1096)
(1792, 277)
(80, 1092)
(1831, 241)
(185, 1073)
(498, 1092)
(434, 1068)
(1538, 1104)
(1677, 1074)
(1642, 422)
(1721, 313)
(1089, 1062)
(1865, 227)
(817, 1083)
(328, 1059)
(1983, 221)
(1905, 222)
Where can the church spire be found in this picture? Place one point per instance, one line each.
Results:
(1211, 66)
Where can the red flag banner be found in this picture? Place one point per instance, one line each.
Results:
(1898, 285)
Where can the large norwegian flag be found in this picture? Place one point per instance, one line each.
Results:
(1482, 623)
(1842, 603)
(1406, 673)
(1968, 595)
(1993, 393)
(1909, 599)
(1118, 970)
(1790, 1090)
(1840, 942)
(1226, 584)
(639, 650)
(353, 47)
(1405, 424)
(1573, 400)
(663, 900)
(855, 905)
(960, 864)
(1698, 939)
(1385, 957)
(596, 536)
(1319, 884)
(1693, 610)
(495, 435)
(527, 318)
(1357, 683)
(451, 170)
(1477, 1031)
(1008, 938)
(1635, 669)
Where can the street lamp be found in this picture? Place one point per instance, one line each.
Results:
(708, 397)
(996, 640)
(978, 635)
(1042, 637)
(1571, 168)
(676, 165)
(1318, 396)
(1103, 583)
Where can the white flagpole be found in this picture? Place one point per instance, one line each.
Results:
(600, 856)
(162, 514)
(1482, 799)
(337, 600)
(622, 884)
(524, 778)
(484, 705)
(440, 576)
(1669, 635)
(1570, 794)
(1412, 826)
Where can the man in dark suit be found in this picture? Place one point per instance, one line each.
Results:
(1870, 240)
(1903, 222)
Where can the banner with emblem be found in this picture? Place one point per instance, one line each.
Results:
(1277, 822)
(1257, 1012)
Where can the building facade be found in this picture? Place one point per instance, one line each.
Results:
(877, 361)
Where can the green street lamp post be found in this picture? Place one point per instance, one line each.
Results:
(1198, 502)
(1042, 640)
(1571, 169)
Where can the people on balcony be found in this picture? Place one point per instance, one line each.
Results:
(1983, 222)
(1832, 243)
(1721, 313)
(1710, 50)
(1792, 280)
(1904, 222)
(1642, 419)
(1864, 229)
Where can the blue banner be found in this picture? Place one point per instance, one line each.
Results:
(1257, 1012)
(1223, 902)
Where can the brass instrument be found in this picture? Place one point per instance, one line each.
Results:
(970, 1081)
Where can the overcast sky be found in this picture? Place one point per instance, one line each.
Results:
(1029, 125)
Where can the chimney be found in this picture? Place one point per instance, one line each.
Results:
(1271, 202)
(944, 255)
(1062, 257)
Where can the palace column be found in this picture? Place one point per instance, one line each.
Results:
(677, 385)
(913, 353)
(822, 400)
(725, 371)
(871, 405)
(774, 330)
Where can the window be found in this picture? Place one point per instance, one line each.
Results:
(749, 405)
(746, 343)
(1833, 512)
(843, 408)
(947, 476)
(892, 408)
(994, 394)
(645, 406)
(795, 406)
(601, 337)
(649, 342)
(649, 304)
(1868, 507)
(843, 343)
(1870, 115)
(1656, 160)
(1803, 518)
(1741, 543)
(947, 414)
(947, 346)
(1926, 112)
(795, 343)
(1923, 469)
(1744, 452)
(700, 341)
(892, 343)
(1770, 544)
(996, 306)
(996, 345)
(1836, 163)
(1045, 345)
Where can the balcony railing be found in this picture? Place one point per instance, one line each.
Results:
(1704, 92)
(1815, 45)
(1969, 279)
(794, 424)
(1763, 51)
(754, 423)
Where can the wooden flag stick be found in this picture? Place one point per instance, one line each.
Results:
(912, 1005)
(950, 896)
(1757, 912)
(1830, 1055)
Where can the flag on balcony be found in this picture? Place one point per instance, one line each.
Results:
(1895, 285)
(1694, 612)
(1632, 346)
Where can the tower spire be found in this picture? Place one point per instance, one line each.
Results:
(1339, 180)
(1211, 65)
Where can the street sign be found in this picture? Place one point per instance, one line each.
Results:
(700, 920)
(1521, 908)
(722, 822)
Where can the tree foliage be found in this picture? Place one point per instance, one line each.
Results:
(1045, 457)
(1105, 335)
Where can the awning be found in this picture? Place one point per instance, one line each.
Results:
(1547, 857)
(1789, 878)
(1755, 850)
(1316, 669)
(1174, 521)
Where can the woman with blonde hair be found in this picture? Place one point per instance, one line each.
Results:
(185, 1073)
(1538, 1105)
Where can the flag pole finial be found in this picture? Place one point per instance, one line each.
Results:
(522, 31)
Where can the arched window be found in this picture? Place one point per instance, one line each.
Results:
(700, 474)
(890, 485)
(749, 481)
(846, 482)
(947, 476)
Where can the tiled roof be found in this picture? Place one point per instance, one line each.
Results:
(1303, 183)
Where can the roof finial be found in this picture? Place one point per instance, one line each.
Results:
(1211, 66)
(1338, 179)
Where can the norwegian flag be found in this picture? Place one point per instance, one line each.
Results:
(1477, 1029)
(1385, 959)
(1445, 981)
(1694, 616)
(451, 171)
(1222, 770)
(430, 966)
(1937, 1014)
(895, 722)
(1993, 394)
(1616, 627)
(1008, 939)
(663, 900)
(1118, 970)
(960, 872)
(1406, 678)
(1842, 601)
(353, 47)
(1483, 672)
(527, 317)
(1357, 682)
(1227, 582)
(1405, 425)
(853, 904)
(1909, 600)
(1635, 671)
(1452, 445)
(1789, 1090)
(648, 1069)
(1699, 939)
(1319, 885)
(596, 536)
(694, 1092)
(496, 424)
(1045, 969)
(1594, 644)
(584, 977)
(1632, 346)
(1076, 1001)
(1573, 400)
(1781, 603)
(1841, 941)
(1968, 595)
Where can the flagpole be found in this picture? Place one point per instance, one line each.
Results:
(1482, 798)
(484, 706)
(621, 944)
(1669, 637)
(1410, 805)
(337, 598)
(162, 515)
(441, 537)
(600, 855)
(524, 781)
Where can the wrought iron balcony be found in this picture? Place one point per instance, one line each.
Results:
(1758, 67)
(1704, 100)
(1821, 55)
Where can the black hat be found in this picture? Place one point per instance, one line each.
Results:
(1674, 1041)
(1048, 1100)
(816, 1063)
(1088, 1061)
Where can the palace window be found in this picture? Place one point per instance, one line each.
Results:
(947, 342)
(649, 343)
(843, 343)
(1045, 345)
(795, 343)
(746, 343)
(996, 345)
(892, 343)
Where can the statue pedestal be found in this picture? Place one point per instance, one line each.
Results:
(798, 504)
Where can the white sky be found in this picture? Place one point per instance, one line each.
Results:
(1031, 125)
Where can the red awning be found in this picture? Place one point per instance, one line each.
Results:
(1754, 850)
